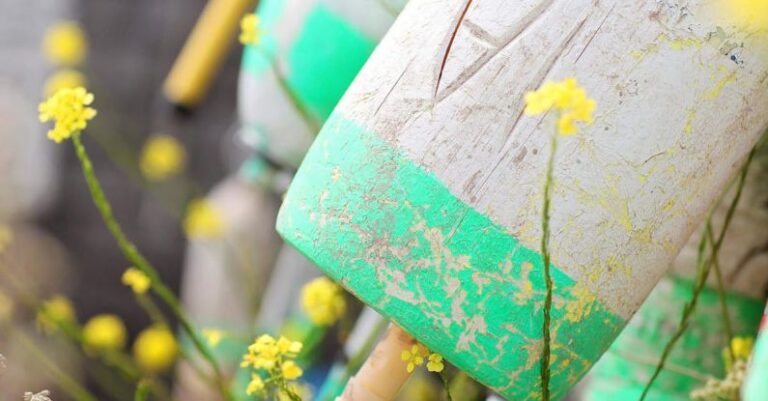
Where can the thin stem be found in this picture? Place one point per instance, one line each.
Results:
(134, 256)
(446, 384)
(670, 367)
(66, 382)
(300, 107)
(704, 267)
(142, 391)
(722, 297)
(545, 329)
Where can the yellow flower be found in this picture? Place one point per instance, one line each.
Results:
(213, 337)
(202, 220)
(414, 357)
(55, 312)
(68, 108)
(290, 370)
(65, 44)
(137, 280)
(323, 301)
(742, 349)
(6, 237)
(745, 14)
(570, 101)
(155, 349)
(63, 79)
(103, 333)
(250, 30)
(435, 363)
(6, 307)
(162, 157)
(255, 385)
(275, 358)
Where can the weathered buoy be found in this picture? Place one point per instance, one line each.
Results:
(623, 372)
(422, 194)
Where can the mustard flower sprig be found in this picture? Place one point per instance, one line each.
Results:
(572, 105)
(250, 29)
(162, 157)
(68, 109)
(275, 367)
(323, 301)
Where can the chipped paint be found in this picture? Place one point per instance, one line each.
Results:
(401, 242)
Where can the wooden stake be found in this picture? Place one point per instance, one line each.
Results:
(384, 373)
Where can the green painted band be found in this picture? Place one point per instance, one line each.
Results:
(321, 62)
(393, 235)
(622, 373)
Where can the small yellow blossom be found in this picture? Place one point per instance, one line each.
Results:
(567, 98)
(104, 333)
(65, 44)
(745, 14)
(155, 349)
(435, 363)
(162, 157)
(742, 349)
(256, 384)
(137, 280)
(290, 370)
(213, 337)
(202, 220)
(323, 301)
(250, 30)
(275, 358)
(6, 307)
(414, 357)
(55, 312)
(64, 79)
(6, 237)
(69, 110)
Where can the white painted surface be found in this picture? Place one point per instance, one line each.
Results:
(675, 118)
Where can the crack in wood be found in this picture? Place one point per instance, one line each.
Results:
(450, 44)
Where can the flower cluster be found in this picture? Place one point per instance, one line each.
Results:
(323, 301)
(55, 312)
(68, 108)
(273, 358)
(418, 354)
(202, 220)
(570, 101)
(137, 280)
(155, 349)
(104, 333)
(727, 389)
(162, 157)
(65, 44)
(741, 348)
(250, 30)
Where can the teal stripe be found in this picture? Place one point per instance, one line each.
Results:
(621, 375)
(400, 241)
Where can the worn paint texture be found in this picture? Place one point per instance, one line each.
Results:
(423, 193)
(623, 372)
(755, 385)
(443, 271)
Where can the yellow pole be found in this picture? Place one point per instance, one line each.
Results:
(204, 51)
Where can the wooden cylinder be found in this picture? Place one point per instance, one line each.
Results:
(204, 51)
(384, 373)
(623, 371)
(423, 192)
(755, 386)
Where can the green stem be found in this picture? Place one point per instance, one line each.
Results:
(446, 384)
(704, 267)
(309, 120)
(135, 257)
(142, 391)
(67, 383)
(722, 297)
(545, 234)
